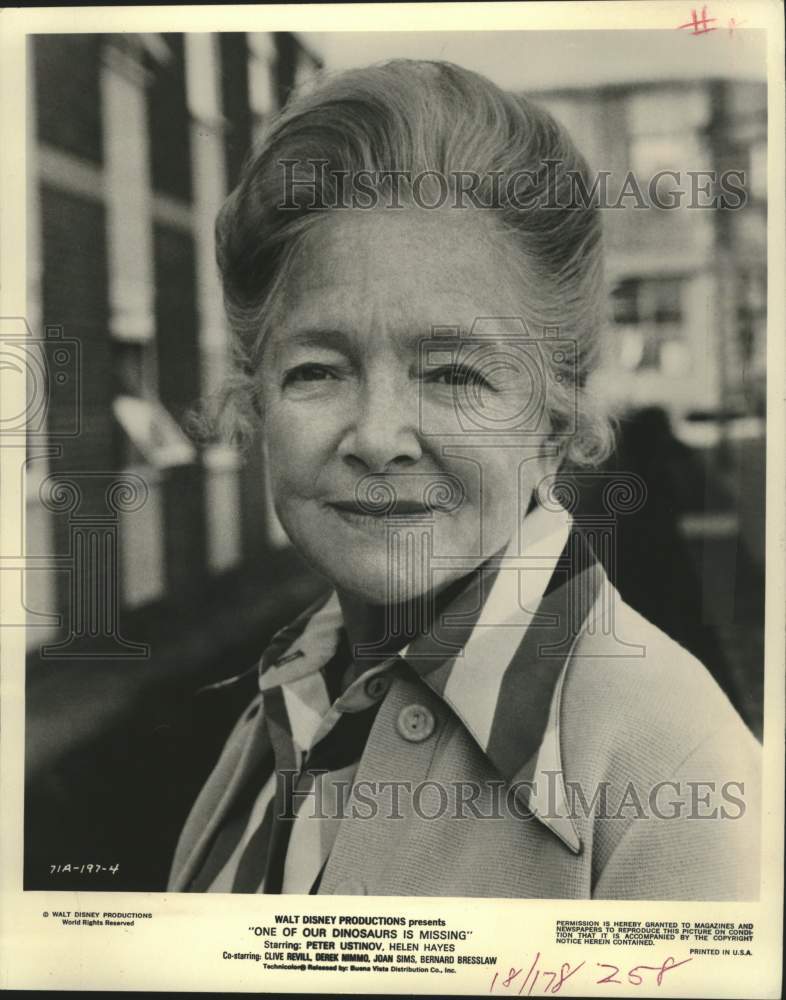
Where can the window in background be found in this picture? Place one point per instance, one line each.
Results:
(170, 136)
(233, 51)
(668, 109)
(679, 151)
(666, 135)
(67, 76)
(649, 316)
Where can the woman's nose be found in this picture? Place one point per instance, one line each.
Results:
(383, 430)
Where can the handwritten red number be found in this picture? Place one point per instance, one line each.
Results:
(564, 977)
(512, 973)
(637, 981)
(610, 978)
(670, 964)
(535, 961)
(558, 980)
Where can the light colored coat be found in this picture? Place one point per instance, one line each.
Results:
(633, 713)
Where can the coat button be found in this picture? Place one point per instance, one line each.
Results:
(350, 887)
(377, 686)
(416, 723)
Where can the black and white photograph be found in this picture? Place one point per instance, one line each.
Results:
(392, 468)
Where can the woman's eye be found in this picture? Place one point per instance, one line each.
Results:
(308, 373)
(459, 376)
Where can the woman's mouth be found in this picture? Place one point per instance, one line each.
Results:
(398, 514)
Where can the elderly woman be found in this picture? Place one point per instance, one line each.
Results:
(412, 272)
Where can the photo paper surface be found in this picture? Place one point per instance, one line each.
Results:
(393, 536)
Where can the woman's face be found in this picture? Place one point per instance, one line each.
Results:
(362, 407)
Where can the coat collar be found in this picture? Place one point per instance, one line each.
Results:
(498, 658)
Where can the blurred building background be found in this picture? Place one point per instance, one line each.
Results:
(687, 356)
(133, 142)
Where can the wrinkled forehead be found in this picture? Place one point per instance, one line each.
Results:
(407, 268)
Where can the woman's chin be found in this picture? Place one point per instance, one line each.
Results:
(376, 584)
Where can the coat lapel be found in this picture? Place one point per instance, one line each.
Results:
(243, 753)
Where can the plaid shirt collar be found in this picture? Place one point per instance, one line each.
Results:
(498, 658)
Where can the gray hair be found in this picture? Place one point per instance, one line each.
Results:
(410, 118)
